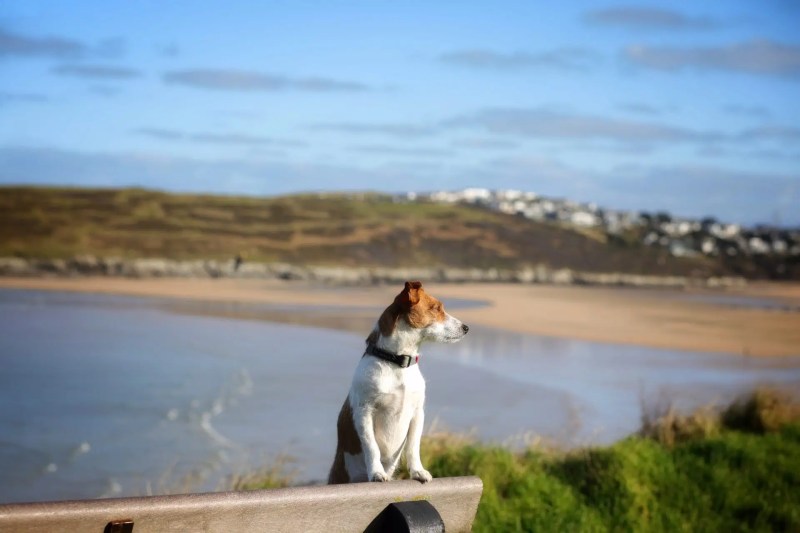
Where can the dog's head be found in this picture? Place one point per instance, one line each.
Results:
(425, 315)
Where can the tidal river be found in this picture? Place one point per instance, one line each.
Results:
(110, 396)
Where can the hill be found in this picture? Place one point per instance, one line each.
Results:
(310, 229)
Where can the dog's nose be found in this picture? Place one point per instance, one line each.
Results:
(465, 327)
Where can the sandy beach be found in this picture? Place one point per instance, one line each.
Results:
(654, 318)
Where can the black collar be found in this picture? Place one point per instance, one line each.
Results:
(403, 361)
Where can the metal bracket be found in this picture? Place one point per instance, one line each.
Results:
(119, 526)
(408, 517)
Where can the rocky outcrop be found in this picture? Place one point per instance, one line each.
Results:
(87, 265)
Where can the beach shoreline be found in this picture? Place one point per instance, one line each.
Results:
(657, 318)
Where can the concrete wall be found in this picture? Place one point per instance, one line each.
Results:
(322, 508)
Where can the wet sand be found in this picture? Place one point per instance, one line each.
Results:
(654, 318)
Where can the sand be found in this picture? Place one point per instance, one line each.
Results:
(654, 318)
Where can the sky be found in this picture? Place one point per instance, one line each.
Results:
(686, 107)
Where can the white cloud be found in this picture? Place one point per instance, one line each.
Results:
(761, 57)
(574, 58)
(634, 17)
(243, 80)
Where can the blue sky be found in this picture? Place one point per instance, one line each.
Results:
(688, 107)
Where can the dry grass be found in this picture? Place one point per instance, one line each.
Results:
(763, 410)
(278, 474)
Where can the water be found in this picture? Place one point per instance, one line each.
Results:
(111, 396)
(741, 301)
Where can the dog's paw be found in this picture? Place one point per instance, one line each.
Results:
(423, 476)
(379, 476)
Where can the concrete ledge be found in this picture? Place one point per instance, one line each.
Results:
(320, 508)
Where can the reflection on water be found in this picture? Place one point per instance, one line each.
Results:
(107, 396)
(602, 387)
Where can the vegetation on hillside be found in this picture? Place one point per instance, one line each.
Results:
(330, 229)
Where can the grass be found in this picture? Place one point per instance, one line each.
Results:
(734, 469)
(277, 475)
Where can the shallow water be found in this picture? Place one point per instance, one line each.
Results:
(741, 301)
(110, 396)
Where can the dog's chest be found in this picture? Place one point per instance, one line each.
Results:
(393, 392)
(400, 396)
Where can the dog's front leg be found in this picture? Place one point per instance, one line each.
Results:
(415, 468)
(363, 421)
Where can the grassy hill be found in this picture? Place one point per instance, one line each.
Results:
(329, 229)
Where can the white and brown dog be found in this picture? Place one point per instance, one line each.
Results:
(383, 413)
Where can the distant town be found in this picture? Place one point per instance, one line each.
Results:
(683, 237)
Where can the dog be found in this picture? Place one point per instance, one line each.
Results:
(383, 413)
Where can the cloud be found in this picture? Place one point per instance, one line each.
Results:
(23, 46)
(563, 58)
(592, 132)
(543, 174)
(110, 48)
(104, 72)
(754, 111)
(761, 57)
(242, 80)
(239, 138)
(104, 90)
(778, 133)
(48, 166)
(537, 123)
(640, 108)
(229, 138)
(31, 98)
(161, 134)
(12, 44)
(215, 138)
(647, 18)
(391, 130)
(168, 49)
(699, 190)
(716, 152)
(485, 144)
(382, 149)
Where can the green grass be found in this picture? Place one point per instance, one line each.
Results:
(741, 472)
(734, 481)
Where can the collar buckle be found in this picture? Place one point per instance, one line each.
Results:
(401, 360)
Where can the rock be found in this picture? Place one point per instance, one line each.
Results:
(562, 276)
(14, 266)
(85, 264)
(156, 267)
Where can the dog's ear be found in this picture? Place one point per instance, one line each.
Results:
(410, 295)
(388, 321)
(403, 303)
(413, 285)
